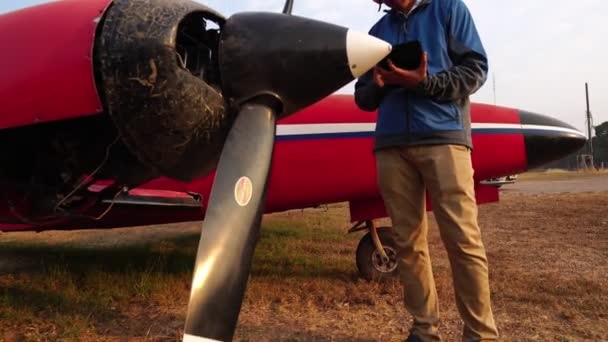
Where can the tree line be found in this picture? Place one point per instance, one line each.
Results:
(600, 145)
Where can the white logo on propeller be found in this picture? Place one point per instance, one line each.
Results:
(243, 190)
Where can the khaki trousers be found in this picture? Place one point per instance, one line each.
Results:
(447, 173)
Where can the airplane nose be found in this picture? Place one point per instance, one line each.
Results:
(548, 139)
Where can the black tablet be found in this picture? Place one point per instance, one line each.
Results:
(406, 56)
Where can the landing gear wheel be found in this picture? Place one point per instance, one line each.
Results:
(370, 263)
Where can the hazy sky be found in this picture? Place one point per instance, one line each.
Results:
(541, 52)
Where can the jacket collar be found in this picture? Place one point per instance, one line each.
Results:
(420, 5)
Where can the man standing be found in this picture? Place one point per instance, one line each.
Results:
(423, 140)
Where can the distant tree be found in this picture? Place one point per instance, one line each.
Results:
(600, 145)
(602, 130)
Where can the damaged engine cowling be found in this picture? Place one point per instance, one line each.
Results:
(158, 77)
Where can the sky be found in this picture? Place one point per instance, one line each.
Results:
(541, 52)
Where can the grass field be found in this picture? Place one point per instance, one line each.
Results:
(548, 259)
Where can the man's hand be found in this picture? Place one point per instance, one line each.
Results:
(408, 79)
(378, 77)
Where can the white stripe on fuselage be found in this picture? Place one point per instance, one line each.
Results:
(525, 127)
(301, 129)
(337, 128)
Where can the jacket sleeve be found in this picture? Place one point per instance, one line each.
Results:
(367, 94)
(470, 63)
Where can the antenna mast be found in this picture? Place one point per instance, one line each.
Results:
(589, 121)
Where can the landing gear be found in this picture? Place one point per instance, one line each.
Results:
(377, 260)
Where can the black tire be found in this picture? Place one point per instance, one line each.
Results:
(369, 262)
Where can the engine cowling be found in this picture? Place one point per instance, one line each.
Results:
(158, 74)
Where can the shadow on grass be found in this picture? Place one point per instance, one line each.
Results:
(276, 255)
(169, 256)
(42, 304)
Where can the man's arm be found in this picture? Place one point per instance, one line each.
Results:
(368, 94)
(369, 89)
(466, 51)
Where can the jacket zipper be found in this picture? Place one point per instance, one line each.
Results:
(407, 93)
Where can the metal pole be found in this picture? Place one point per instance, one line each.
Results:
(589, 121)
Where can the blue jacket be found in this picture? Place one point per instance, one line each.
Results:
(438, 110)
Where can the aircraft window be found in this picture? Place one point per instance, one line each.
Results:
(197, 47)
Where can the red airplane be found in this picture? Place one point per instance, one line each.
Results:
(119, 112)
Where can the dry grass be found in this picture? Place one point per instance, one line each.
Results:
(549, 277)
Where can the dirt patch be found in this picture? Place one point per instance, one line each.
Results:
(565, 182)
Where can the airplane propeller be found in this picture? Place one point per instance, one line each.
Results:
(271, 65)
(274, 65)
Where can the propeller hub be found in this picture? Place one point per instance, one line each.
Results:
(296, 60)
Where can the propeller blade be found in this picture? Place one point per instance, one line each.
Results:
(231, 227)
(288, 7)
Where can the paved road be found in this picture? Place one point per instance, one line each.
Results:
(579, 184)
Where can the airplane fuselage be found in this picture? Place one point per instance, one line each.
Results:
(323, 154)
